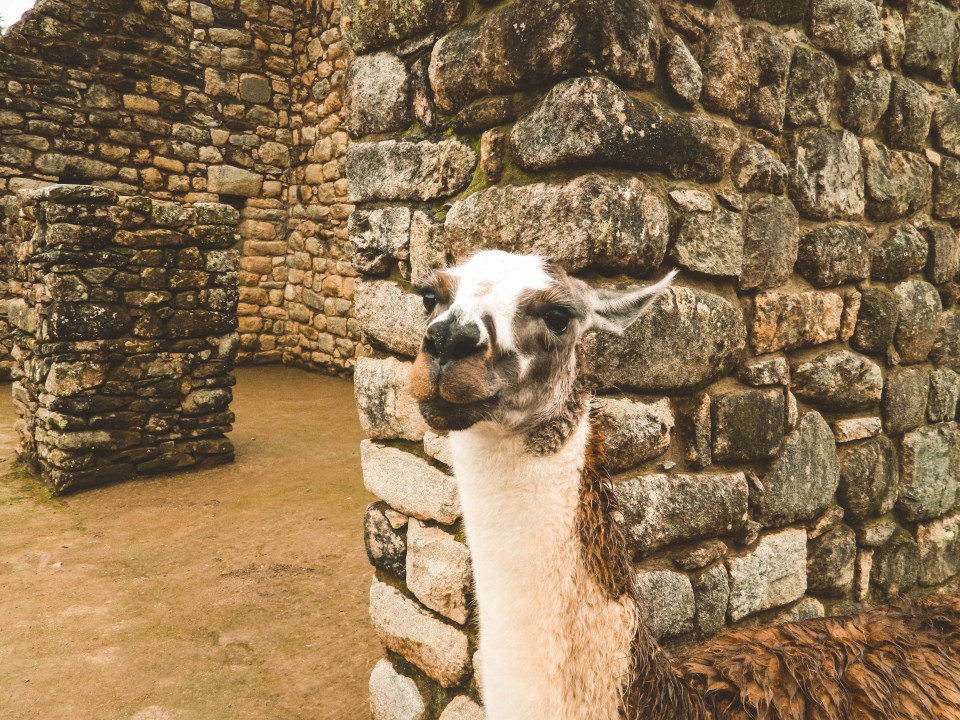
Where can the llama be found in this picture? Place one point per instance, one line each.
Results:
(562, 634)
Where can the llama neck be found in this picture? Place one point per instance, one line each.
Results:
(561, 635)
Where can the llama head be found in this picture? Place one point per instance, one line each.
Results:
(501, 339)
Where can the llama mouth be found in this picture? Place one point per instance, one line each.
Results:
(443, 415)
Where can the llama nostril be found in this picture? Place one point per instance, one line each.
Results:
(451, 340)
(463, 347)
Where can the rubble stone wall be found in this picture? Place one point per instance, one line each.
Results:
(783, 423)
(124, 322)
(196, 102)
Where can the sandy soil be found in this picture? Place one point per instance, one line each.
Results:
(238, 592)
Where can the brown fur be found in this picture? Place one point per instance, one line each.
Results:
(423, 380)
(466, 381)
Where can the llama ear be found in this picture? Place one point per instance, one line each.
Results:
(614, 311)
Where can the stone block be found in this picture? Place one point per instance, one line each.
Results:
(590, 120)
(848, 28)
(379, 237)
(377, 95)
(876, 321)
(898, 183)
(67, 379)
(710, 242)
(683, 71)
(409, 484)
(868, 478)
(669, 602)
(768, 576)
(830, 562)
(803, 479)
(864, 98)
(711, 589)
(946, 349)
(930, 462)
(386, 545)
(390, 317)
(918, 325)
(896, 566)
(462, 708)
(904, 405)
(531, 43)
(944, 265)
(812, 87)
(942, 400)
(230, 180)
(590, 221)
(438, 570)
(439, 649)
(834, 255)
(849, 429)
(255, 88)
(787, 321)
(394, 696)
(768, 370)
(771, 243)
(773, 11)
(939, 544)
(687, 339)
(387, 410)
(661, 509)
(908, 118)
(826, 176)
(946, 190)
(902, 253)
(754, 168)
(635, 431)
(838, 380)
(427, 246)
(946, 123)
(747, 426)
(404, 170)
(931, 40)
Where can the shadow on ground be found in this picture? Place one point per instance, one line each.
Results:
(237, 592)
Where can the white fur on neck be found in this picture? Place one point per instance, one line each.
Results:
(554, 646)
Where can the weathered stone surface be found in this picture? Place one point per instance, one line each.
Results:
(769, 370)
(745, 69)
(812, 87)
(774, 11)
(838, 379)
(529, 42)
(895, 566)
(390, 317)
(408, 483)
(901, 254)
(394, 696)
(438, 447)
(84, 321)
(711, 588)
(379, 237)
(401, 170)
(946, 190)
(864, 97)
(592, 220)
(849, 429)
(668, 600)
(462, 708)
(834, 255)
(898, 183)
(66, 379)
(687, 339)
(770, 575)
(635, 431)
(904, 403)
(930, 459)
(826, 177)
(946, 123)
(693, 420)
(439, 649)
(374, 23)
(803, 479)
(230, 180)
(590, 120)
(931, 40)
(848, 28)
(710, 242)
(755, 169)
(438, 570)
(830, 562)
(908, 119)
(692, 200)
(376, 98)
(661, 509)
(944, 265)
(786, 321)
(939, 544)
(428, 250)
(386, 546)
(683, 71)
(868, 478)
(747, 426)
(387, 410)
(919, 305)
(771, 243)
(944, 391)
(946, 350)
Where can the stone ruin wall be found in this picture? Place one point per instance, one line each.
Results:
(232, 101)
(783, 424)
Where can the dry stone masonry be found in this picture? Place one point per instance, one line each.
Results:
(124, 331)
(783, 423)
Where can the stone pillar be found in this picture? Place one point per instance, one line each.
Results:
(783, 422)
(124, 324)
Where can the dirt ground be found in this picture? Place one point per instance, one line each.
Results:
(238, 592)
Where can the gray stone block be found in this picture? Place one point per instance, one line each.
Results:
(710, 243)
(230, 180)
(371, 24)
(909, 115)
(408, 483)
(390, 317)
(939, 544)
(918, 325)
(868, 478)
(848, 28)
(768, 576)
(898, 183)
(930, 461)
(387, 410)
(902, 253)
(812, 88)
(896, 566)
(747, 426)
(826, 176)
(787, 321)
(635, 431)
(942, 400)
(755, 169)
(711, 588)
(438, 570)
(669, 602)
(403, 170)
(904, 404)
(377, 95)
(876, 321)
(864, 98)
(838, 379)
(386, 545)
(771, 243)
(830, 562)
(394, 696)
(931, 40)
(834, 255)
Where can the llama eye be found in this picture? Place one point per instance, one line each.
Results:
(557, 320)
(429, 301)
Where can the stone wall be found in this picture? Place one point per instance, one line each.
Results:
(199, 102)
(783, 422)
(124, 330)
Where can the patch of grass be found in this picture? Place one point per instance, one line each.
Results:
(18, 483)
